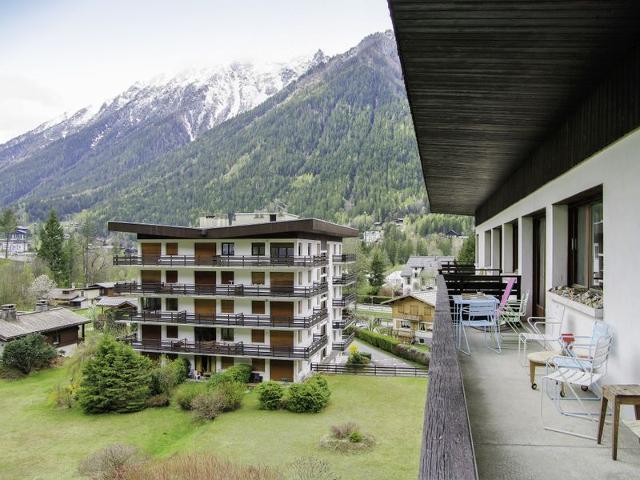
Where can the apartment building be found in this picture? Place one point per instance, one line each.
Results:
(267, 289)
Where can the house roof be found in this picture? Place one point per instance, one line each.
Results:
(303, 226)
(103, 285)
(428, 297)
(39, 322)
(64, 293)
(115, 302)
(424, 261)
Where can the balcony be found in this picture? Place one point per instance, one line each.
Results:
(224, 319)
(345, 279)
(344, 322)
(227, 349)
(220, 261)
(344, 342)
(229, 290)
(344, 258)
(345, 301)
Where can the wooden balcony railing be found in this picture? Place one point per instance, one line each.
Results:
(345, 279)
(459, 283)
(345, 300)
(447, 447)
(344, 342)
(220, 261)
(227, 349)
(344, 258)
(455, 267)
(224, 319)
(231, 290)
(344, 322)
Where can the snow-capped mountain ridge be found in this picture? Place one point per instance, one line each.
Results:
(198, 98)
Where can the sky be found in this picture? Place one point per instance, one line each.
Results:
(58, 56)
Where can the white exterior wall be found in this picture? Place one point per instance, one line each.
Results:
(617, 169)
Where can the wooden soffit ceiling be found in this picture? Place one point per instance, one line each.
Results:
(487, 81)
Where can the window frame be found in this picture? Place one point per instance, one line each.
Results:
(573, 255)
(260, 247)
(229, 247)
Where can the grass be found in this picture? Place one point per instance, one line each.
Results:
(391, 409)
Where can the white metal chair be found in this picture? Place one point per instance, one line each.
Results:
(581, 368)
(543, 330)
(481, 315)
(513, 311)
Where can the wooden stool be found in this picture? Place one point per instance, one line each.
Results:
(619, 395)
(538, 359)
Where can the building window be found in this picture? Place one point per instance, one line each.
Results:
(586, 244)
(405, 324)
(282, 250)
(227, 306)
(514, 245)
(171, 304)
(171, 276)
(257, 307)
(257, 249)
(309, 249)
(227, 362)
(226, 334)
(55, 338)
(172, 249)
(228, 249)
(151, 304)
(257, 336)
(299, 249)
(257, 364)
(172, 331)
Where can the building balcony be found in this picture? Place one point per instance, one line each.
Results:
(228, 290)
(220, 261)
(224, 319)
(345, 279)
(344, 322)
(344, 258)
(344, 342)
(227, 349)
(345, 301)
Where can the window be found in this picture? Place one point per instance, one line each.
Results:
(257, 278)
(586, 244)
(151, 303)
(514, 245)
(280, 250)
(257, 336)
(172, 249)
(226, 334)
(257, 307)
(228, 249)
(299, 249)
(227, 278)
(171, 276)
(227, 362)
(171, 304)
(405, 324)
(55, 338)
(172, 331)
(257, 249)
(423, 327)
(227, 306)
(257, 364)
(273, 217)
(309, 249)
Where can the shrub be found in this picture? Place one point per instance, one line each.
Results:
(347, 438)
(116, 379)
(198, 466)
(64, 396)
(310, 469)
(28, 353)
(159, 400)
(10, 373)
(187, 392)
(270, 395)
(240, 373)
(356, 437)
(165, 378)
(412, 353)
(230, 395)
(110, 463)
(310, 396)
(357, 359)
(207, 406)
(377, 340)
(343, 430)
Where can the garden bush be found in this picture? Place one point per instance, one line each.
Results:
(310, 396)
(383, 342)
(270, 395)
(186, 392)
(159, 400)
(347, 438)
(357, 359)
(64, 395)
(411, 353)
(116, 379)
(207, 406)
(240, 373)
(110, 463)
(230, 395)
(165, 378)
(28, 353)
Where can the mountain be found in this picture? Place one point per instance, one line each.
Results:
(335, 142)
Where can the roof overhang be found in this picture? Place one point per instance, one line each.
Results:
(493, 85)
(306, 226)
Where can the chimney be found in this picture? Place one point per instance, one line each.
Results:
(8, 312)
(42, 306)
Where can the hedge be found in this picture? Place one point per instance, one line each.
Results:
(394, 346)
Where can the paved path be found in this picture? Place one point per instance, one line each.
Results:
(373, 308)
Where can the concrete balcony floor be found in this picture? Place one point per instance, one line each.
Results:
(509, 439)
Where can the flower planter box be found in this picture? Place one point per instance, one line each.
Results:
(593, 313)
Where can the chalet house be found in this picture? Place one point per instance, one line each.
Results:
(266, 289)
(62, 328)
(412, 315)
(417, 264)
(18, 241)
(75, 297)
(105, 289)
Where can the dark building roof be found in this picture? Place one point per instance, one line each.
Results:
(39, 322)
(505, 96)
(304, 226)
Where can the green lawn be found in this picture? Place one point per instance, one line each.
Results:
(40, 441)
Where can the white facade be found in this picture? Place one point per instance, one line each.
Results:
(617, 170)
(306, 275)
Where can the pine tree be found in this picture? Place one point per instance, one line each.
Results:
(52, 248)
(8, 224)
(376, 275)
(116, 379)
(468, 251)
